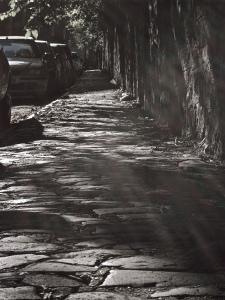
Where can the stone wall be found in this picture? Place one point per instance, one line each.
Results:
(170, 55)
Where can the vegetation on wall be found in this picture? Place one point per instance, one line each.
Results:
(169, 55)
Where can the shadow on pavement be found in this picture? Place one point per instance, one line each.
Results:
(182, 223)
(25, 220)
(23, 132)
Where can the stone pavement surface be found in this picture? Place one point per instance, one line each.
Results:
(104, 204)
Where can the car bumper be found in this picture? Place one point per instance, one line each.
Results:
(28, 88)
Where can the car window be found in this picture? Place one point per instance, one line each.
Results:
(17, 49)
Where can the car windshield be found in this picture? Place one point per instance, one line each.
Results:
(17, 49)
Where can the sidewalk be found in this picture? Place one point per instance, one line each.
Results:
(104, 204)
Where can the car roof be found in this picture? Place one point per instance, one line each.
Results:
(57, 44)
(11, 37)
(41, 42)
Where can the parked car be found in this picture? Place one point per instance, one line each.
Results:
(29, 75)
(62, 51)
(53, 66)
(5, 100)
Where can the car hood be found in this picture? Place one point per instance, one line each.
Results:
(21, 64)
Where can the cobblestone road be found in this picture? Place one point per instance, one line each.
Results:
(97, 202)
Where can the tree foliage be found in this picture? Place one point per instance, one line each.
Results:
(79, 18)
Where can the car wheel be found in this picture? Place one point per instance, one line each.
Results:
(5, 112)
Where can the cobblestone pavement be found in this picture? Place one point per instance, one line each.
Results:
(97, 202)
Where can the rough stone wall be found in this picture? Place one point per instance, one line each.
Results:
(170, 54)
